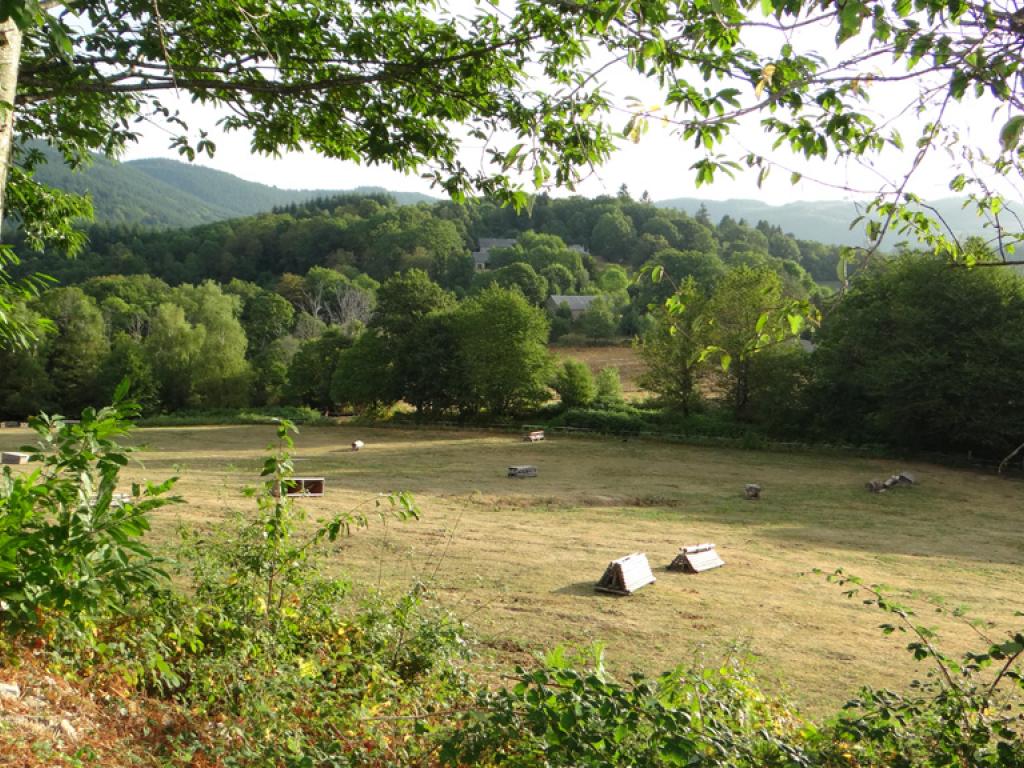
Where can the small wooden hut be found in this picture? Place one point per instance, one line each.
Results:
(626, 575)
(696, 559)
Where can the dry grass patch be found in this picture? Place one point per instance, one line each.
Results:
(517, 559)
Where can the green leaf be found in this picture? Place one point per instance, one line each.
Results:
(1009, 136)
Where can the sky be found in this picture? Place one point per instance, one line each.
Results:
(659, 164)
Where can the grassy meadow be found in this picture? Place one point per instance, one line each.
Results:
(517, 559)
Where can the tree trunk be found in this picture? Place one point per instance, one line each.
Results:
(10, 55)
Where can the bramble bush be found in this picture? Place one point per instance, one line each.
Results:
(557, 715)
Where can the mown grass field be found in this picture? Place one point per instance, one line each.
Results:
(517, 559)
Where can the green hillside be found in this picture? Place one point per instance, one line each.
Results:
(171, 194)
(164, 193)
(825, 221)
(122, 194)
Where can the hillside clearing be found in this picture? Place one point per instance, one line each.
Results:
(517, 559)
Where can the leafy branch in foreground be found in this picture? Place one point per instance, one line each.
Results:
(279, 556)
(71, 550)
(562, 715)
(967, 713)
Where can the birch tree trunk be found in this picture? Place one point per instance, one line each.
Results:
(10, 55)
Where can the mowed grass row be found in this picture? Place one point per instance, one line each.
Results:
(517, 559)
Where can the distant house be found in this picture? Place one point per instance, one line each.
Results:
(577, 304)
(482, 257)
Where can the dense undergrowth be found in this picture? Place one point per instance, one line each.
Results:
(254, 655)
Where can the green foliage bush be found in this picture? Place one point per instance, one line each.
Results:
(609, 387)
(575, 384)
(965, 713)
(777, 377)
(557, 715)
(71, 553)
(266, 415)
(628, 419)
(923, 356)
(265, 642)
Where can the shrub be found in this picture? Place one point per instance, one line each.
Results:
(575, 384)
(267, 643)
(70, 551)
(560, 716)
(609, 387)
(266, 415)
(776, 378)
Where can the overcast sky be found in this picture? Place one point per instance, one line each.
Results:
(659, 164)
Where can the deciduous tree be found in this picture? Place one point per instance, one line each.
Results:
(502, 341)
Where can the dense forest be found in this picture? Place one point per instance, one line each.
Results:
(340, 303)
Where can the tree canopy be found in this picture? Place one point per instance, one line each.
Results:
(389, 81)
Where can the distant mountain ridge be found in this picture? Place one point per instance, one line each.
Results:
(162, 193)
(826, 221)
(165, 193)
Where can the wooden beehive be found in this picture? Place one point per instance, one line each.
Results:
(697, 558)
(13, 457)
(303, 486)
(626, 575)
(522, 470)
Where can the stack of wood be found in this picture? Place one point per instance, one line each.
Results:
(900, 478)
(626, 575)
(752, 491)
(696, 558)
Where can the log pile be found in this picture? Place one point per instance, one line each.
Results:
(696, 559)
(626, 575)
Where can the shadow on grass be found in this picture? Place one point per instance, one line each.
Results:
(583, 589)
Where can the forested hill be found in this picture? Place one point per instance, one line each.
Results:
(825, 221)
(170, 194)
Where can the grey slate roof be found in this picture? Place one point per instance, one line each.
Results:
(575, 303)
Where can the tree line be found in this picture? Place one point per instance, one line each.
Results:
(917, 354)
(373, 235)
(335, 337)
